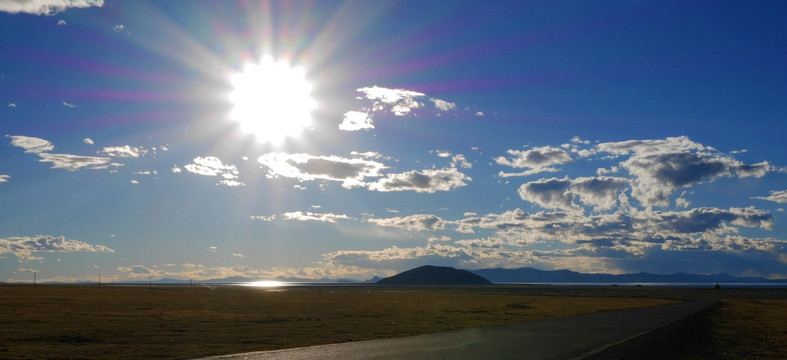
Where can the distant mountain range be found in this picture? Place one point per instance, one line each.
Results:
(530, 275)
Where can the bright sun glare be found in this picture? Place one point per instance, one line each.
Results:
(271, 100)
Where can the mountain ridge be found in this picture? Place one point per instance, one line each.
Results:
(528, 274)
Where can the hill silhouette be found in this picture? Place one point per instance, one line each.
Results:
(435, 275)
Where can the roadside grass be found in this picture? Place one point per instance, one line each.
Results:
(176, 322)
(750, 329)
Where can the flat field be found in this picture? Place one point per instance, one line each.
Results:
(175, 322)
(111, 322)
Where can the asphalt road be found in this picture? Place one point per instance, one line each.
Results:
(557, 338)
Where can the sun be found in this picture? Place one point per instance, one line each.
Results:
(271, 100)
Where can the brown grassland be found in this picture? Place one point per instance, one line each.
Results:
(112, 322)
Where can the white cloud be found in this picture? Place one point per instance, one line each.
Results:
(263, 218)
(310, 216)
(680, 144)
(661, 166)
(418, 222)
(125, 151)
(4, 178)
(479, 114)
(23, 246)
(400, 101)
(213, 248)
(61, 22)
(351, 172)
(428, 181)
(135, 182)
(599, 192)
(503, 174)
(75, 162)
(45, 7)
(356, 120)
(11, 105)
(230, 183)
(775, 196)
(369, 155)
(69, 105)
(88, 141)
(459, 160)
(31, 144)
(578, 140)
(212, 166)
(176, 169)
(238, 255)
(119, 27)
(539, 159)
(443, 105)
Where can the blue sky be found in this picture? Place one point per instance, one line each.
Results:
(333, 139)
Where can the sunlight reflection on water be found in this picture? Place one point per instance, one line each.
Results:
(265, 284)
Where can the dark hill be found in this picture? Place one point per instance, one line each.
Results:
(435, 275)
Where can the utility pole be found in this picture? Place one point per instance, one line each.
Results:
(34, 278)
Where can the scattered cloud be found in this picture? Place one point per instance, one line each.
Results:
(479, 114)
(238, 255)
(75, 162)
(119, 27)
(536, 160)
(351, 172)
(775, 196)
(212, 166)
(176, 169)
(428, 181)
(125, 151)
(370, 155)
(88, 141)
(398, 101)
(661, 166)
(356, 120)
(31, 144)
(263, 218)
(310, 216)
(11, 105)
(61, 22)
(418, 222)
(459, 160)
(69, 105)
(213, 249)
(134, 181)
(23, 247)
(443, 105)
(601, 239)
(681, 202)
(136, 270)
(45, 7)
(4, 178)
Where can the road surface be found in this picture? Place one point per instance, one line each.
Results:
(572, 337)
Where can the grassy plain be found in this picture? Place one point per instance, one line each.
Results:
(114, 322)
